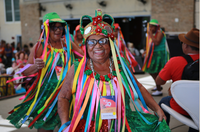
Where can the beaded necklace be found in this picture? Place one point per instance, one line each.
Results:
(110, 67)
(93, 71)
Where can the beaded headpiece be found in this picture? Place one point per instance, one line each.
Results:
(97, 26)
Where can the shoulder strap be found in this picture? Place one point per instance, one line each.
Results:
(188, 58)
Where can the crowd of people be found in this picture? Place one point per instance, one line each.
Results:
(11, 56)
(85, 81)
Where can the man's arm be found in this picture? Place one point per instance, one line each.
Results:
(65, 96)
(159, 81)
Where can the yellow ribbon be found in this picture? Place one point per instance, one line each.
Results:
(119, 79)
(76, 75)
(39, 84)
(103, 94)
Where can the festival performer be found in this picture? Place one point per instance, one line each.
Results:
(157, 53)
(124, 51)
(98, 88)
(49, 60)
(78, 37)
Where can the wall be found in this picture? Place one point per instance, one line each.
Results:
(30, 23)
(8, 29)
(197, 14)
(166, 11)
(83, 7)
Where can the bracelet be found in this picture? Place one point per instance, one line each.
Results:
(64, 125)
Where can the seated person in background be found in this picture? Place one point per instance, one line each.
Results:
(8, 53)
(30, 46)
(26, 49)
(133, 50)
(175, 67)
(26, 57)
(21, 59)
(2, 68)
(10, 70)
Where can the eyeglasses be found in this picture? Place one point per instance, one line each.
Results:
(55, 28)
(93, 42)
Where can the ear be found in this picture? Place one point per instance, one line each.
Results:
(187, 46)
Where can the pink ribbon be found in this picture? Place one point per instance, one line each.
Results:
(79, 103)
(24, 68)
(108, 93)
(46, 42)
(93, 103)
(67, 129)
(119, 104)
(77, 53)
(21, 98)
(21, 77)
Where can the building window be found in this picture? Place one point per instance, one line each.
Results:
(12, 10)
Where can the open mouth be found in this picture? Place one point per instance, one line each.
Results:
(99, 52)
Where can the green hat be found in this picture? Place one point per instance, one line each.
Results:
(154, 22)
(53, 17)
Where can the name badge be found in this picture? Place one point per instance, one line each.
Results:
(58, 71)
(108, 107)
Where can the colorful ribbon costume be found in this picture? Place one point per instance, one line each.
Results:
(150, 48)
(89, 87)
(39, 108)
(75, 40)
(123, 49)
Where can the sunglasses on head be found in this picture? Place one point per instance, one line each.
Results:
(93, 42)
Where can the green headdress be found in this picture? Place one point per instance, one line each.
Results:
(97, 26)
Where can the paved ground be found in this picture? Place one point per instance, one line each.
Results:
(8, 104)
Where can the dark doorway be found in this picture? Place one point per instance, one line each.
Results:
(133, 28)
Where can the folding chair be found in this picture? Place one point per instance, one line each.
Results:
(186, 94)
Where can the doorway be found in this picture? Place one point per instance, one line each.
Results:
(133, 28)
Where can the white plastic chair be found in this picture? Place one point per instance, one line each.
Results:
(186, 94)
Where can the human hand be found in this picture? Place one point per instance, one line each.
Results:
(39, 63)
(161, 114)
(169, 91)
(150, 32)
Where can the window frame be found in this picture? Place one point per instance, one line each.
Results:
(13, 12)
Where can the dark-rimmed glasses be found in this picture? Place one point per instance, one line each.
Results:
(101, 41)
(55, 28)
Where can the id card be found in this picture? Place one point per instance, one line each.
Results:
(58, 71)
(108, 107)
